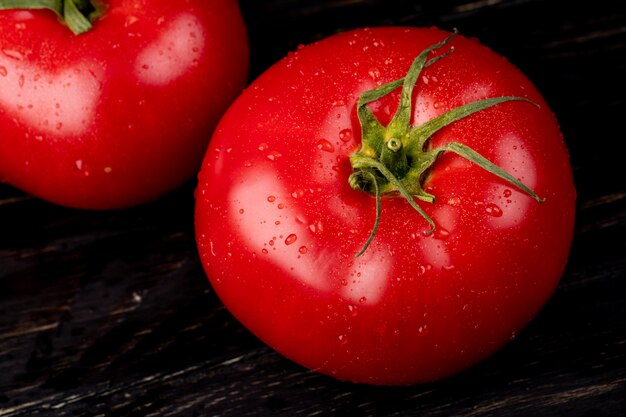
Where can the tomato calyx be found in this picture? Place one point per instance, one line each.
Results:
(394, 159)
(78, 15)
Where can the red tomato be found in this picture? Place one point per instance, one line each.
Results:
(278, 224)
(120, 114)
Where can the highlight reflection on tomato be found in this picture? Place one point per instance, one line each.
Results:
(278, 224)
(121, 114)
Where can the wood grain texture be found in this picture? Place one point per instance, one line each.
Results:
(109, 313)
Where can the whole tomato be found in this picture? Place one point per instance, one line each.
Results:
(383, 218)
(123, 112)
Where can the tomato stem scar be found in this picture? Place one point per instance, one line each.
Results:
(394, 159)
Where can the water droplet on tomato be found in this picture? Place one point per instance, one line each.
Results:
(423, 330)
(291, 239)
(345, 135)
(264, 251)
(241, 211)
(362, 300)
(271, 242)
(3, 71)
(438, 105)
(343, 339)
(441, 233)
(271, 198)
(20, 81)
(493, 210)
(316, 227)
(13, 54)
(303, 249)
(130, 20)
(263, 146)
(79, 164)
(274, 155)
(507, 193)
(353, 310)
(297, 193)
(325, 145)
(281, 206)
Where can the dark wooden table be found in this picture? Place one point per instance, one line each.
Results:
(110, 314)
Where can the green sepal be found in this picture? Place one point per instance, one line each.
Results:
(372, 131)
(55, 5)
(379, 209)
(473, 156)
(401, 120)
(371, 165)
(395, 158)
(419, 135)
(74, 19)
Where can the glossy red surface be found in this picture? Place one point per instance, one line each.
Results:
(278, 225)
(123, 113)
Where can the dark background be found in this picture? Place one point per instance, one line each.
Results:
(110, 314)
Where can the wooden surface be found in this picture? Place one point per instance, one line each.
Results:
(110, 314)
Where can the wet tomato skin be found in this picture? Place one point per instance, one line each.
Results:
(278, 225)
(123, 113)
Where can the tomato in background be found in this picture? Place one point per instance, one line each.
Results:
(278, 224)
(123, 113)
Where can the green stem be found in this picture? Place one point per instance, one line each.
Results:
(372, 131)
(379, 209)
(370, 164)
(395, 158)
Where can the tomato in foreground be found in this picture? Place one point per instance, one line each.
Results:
(383, 218)
(122, 113)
